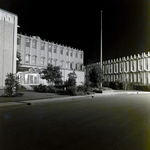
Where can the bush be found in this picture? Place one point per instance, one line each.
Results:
(11, 85)
(40, 88)
(72, 90)
(50, 89)
(116, 85)
(81, 88)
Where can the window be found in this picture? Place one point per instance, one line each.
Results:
(76, 54)
(141, 64)
(61, 51)
(146, 63)
(71, 66)
(80, 67)
(67, 65)
(18, 41)
(34, 59)
(76, 66)
(81, 56)
(42, 46)
(49, 48)
(42, 60)
(116, 68)
(34, 44)
(27, 43)
(71, 54)
(67, 52)
(55, 49)
(27, 58)
(133, 65)
(50, 61)
(61, 63)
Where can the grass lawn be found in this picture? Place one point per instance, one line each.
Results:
(29, 95)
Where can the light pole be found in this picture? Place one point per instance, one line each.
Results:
(101, 51)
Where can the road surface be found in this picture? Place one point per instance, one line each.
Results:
(112, 122)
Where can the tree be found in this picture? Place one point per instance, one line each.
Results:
(52, 74)
(72, 79)
(18, 62)
(96, 76)
(11, 85)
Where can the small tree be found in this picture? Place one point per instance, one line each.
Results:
(72, 79)
(96, 76)
(11, 85)
(52, 74)
(71, 83)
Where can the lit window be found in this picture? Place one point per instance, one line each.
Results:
(67, 65)
(34, 59)
(42, 60)
(49, 48)
(67, 52)
(42, 46)
(27, 58)
(34, 44)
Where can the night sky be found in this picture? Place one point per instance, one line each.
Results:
(126, 25)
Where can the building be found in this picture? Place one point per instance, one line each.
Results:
(131, 68)
(37, 53)
(8, 44)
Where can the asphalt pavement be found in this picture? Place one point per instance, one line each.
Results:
(112, 122)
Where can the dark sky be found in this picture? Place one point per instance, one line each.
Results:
(126, 24)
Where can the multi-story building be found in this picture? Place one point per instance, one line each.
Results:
(8, 44)
(37, 53)
(131, 68)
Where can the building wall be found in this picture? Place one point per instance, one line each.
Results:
(131, 68)
(8, 44)
(37, 53)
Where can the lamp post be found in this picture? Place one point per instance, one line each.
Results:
(101, 51)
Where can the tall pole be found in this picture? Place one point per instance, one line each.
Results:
(101, 51)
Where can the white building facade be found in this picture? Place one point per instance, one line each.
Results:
(134, 68)
(8, 44)
(37, 54)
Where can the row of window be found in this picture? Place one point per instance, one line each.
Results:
(126, 77)
(68, 64)
(34, 45)
(125, 66)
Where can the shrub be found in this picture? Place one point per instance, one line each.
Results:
(72, 90)
(11, 85)
(40, 88)
(81, 88)
(50, 89)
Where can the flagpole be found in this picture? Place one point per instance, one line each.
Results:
(101, 50)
